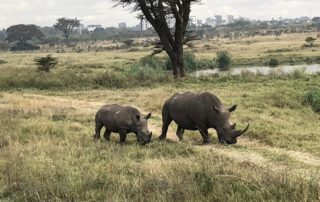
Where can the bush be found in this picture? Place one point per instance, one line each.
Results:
(46, 63)
(146, 76)
(312, 97)
(273, 62)
(128, 42)
(3, 62)
(223, 60)
(24, 47)
(151, 61)
(310, 40)
(190, 62)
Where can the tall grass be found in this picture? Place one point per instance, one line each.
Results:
(312, 97)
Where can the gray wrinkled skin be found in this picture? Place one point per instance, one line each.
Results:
(122, 120)
(200, 112)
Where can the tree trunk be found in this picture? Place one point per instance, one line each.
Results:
(177, 64)
(67, 40)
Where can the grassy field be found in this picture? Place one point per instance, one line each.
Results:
(47, 152)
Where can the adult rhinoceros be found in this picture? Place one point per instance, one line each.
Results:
(201, 111)
(122, 120)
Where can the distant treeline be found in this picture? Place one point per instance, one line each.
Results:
(234, 30)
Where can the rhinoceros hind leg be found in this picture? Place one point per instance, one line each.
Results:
(180, 132)
(99, 126)
(205, 136)
(107, 135)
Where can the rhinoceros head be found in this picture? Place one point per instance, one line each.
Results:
(143, 134)
(227, 133)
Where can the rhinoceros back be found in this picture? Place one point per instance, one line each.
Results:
(115, 117)
(189, 110)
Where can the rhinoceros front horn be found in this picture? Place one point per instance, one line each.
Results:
(239, 133)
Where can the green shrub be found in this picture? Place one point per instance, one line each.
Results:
(144, 76)
(24, 47)
(223, 60)
(312, 97)
(3, 62)
(46, 63)
(151, 61)
(273, 62)
(310, 40)
(190, 62)
(128, 42)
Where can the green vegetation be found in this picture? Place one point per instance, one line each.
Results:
(47, 152)
(2, 62)
(22, 35)
(223, 60)
(312, 97)
(47, 63)
(273, 62)
(310, 41)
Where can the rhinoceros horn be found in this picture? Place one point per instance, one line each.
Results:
(239, 132)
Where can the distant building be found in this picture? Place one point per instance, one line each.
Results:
(91, 28)
(211, 22)
(218, 19)
(122, 25)
(144, 25)
(230, 19)
(199, 23)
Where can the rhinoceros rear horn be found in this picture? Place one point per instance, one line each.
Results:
(233, 108)
(148, 116)
(239, 133)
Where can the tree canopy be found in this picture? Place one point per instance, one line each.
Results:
(23, 33)
(160, 13)
(66, 26)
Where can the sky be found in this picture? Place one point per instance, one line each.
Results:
(45, 12)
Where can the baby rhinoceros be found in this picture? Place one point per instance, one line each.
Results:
(122, 120)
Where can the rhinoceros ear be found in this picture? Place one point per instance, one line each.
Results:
(233, 108)
(216, 109)
(148, 116)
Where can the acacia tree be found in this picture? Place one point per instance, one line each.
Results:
(66, 26)
(23, 33)
(158, 12)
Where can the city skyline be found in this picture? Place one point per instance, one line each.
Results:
(45, 12)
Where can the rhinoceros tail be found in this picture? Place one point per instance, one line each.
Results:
(99, 126)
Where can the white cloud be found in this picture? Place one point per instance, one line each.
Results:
(45, 12)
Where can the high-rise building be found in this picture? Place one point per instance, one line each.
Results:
(230, 19)
(218, 19)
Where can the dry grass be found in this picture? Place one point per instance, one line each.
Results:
(47, 152)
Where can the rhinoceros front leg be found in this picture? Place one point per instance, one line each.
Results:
(123, 135)
(180, 132)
